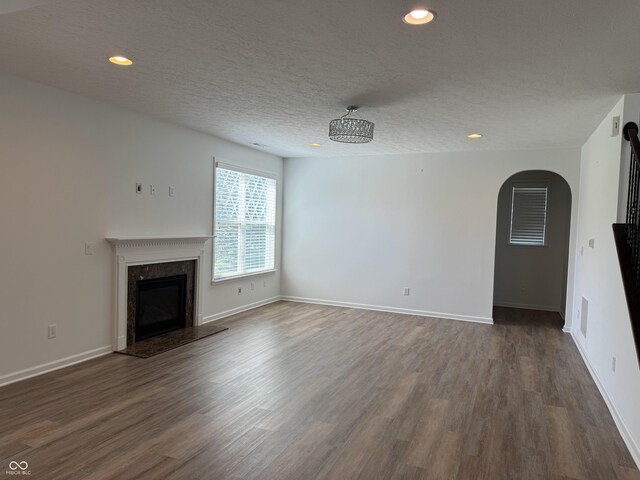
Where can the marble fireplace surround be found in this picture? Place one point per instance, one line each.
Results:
(131, 251)
(150, 271)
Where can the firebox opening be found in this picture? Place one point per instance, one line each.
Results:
(160, 306)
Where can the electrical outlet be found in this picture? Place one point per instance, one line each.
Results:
(407, 291)
(613, 363)
(152, 189)
(239, 290)
(172, 191)
(88, 248)
(139, 188)
(52, 331)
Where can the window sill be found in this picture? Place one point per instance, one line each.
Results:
(235, 277)
(525, 245)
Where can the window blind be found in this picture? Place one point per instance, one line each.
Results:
(245, 223)
(528, 216)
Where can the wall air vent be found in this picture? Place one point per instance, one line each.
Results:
(584, 316)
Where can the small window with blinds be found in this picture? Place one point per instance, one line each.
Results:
(245, 222)
(528, 216)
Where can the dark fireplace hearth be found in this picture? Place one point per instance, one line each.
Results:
(160, 306)
(160, 299)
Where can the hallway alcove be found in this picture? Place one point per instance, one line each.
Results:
(532, 242)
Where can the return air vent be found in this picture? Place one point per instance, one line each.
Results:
(584, 316)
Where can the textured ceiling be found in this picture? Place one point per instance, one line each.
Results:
(7, 6)
(525, 74)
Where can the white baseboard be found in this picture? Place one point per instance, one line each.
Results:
(233, 311)
(566, 329)
(378, 308)
(55, 365)
(622, 428)
(524, 306)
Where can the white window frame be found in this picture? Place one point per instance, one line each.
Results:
(534, 185)
(272, 245)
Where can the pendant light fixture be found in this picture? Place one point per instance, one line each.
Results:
(347, 129)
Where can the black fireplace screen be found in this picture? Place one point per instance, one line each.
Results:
(160, 306)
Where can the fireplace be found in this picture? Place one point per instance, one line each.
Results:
(144, 258)
(160, 299)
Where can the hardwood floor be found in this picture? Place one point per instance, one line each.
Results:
(294, 391)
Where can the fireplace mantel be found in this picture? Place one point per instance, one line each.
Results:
(151, 241)
(146, 250)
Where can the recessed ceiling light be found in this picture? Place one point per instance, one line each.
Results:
(419, 16)
(474, 136)
(314, 144)
(120, 60)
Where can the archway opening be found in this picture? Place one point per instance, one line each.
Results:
(532, 244)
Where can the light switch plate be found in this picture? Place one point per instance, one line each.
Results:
(615, 126)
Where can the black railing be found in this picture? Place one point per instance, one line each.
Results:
(632, 227)
(627, 235)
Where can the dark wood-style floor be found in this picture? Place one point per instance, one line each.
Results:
(297, 391)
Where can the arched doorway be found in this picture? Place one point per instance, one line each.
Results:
(532, 242)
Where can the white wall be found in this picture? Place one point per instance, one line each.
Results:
(359, 229)
(599, 280)
(68, 168)
(532, 276)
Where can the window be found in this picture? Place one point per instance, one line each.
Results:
(245, 222)
(528, 216)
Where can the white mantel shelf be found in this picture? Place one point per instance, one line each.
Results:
(170, 239)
